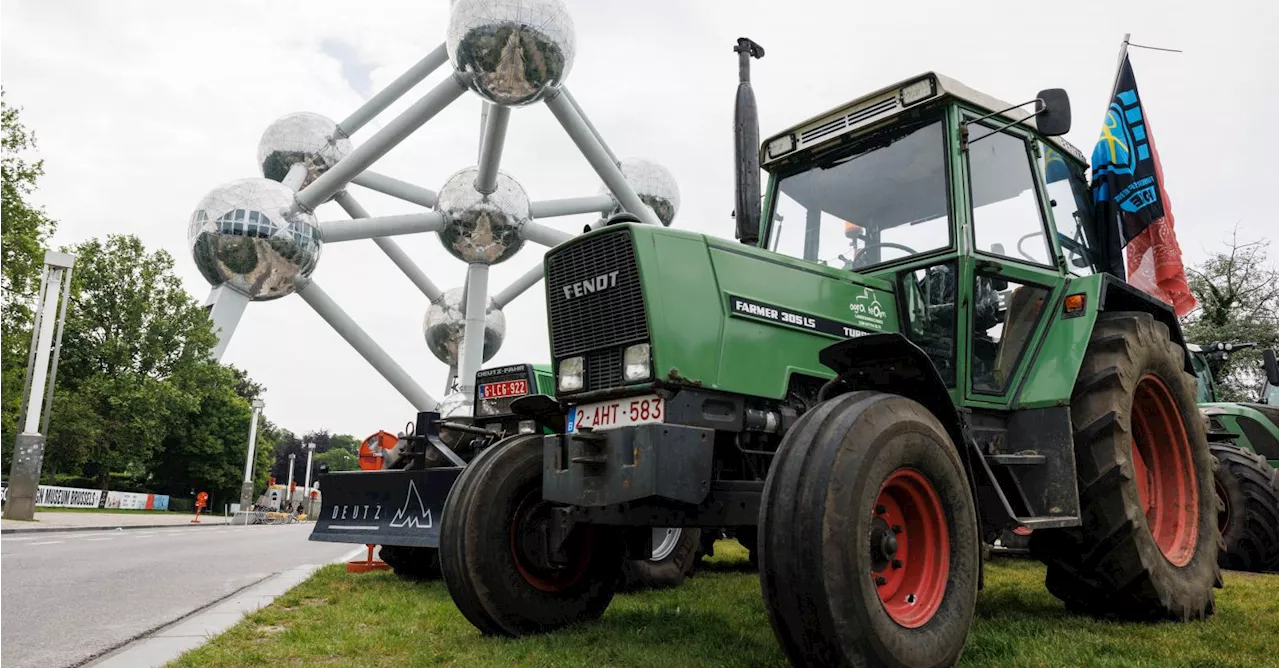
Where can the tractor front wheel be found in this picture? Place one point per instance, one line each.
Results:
(868, 539)
(497, 553)
(1250, 494)
(675, 552)
(1147, 546)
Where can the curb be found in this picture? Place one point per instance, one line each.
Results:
(111, 527)
(163, 644)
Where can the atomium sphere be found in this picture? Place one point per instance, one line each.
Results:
(478, 227)
(249, 236)
(654, 184)
(304, 137)
(511, 52)
(444, 323)
(456, 405)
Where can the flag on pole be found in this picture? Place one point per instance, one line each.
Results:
(1129, 197)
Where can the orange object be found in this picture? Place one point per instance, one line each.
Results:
(367, 564)
(1073, 305)
(371, 450)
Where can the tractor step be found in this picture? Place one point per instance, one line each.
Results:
(1049, 521)
(1019, 459)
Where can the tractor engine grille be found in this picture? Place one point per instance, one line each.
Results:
(595, 305)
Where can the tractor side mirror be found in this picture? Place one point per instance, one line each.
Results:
(1269, 365)
(1053, 112)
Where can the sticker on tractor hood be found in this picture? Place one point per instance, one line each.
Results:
(867, 310)
(750, 308)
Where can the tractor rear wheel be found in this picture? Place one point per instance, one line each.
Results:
(1250, 493)
(495, 551)
(1147, 547)
(868, 538)
(675, 552)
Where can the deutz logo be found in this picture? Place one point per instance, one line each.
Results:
(598, 284)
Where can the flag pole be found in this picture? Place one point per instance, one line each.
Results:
(1124, 51)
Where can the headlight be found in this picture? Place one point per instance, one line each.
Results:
(570, 375)
(917, 91)
(635, 362)
(527, 426)
(780, 146)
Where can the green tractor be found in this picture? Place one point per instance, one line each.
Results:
(1243, 437)
(924, 339)
(396, 499)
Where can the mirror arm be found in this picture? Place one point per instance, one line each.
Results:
(965, 141)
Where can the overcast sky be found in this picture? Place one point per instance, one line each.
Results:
(143, 107)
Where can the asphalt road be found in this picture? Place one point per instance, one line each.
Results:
(66, 597)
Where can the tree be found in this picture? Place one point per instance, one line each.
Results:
(1239, 296)
(23, 236)
(134, 348)
(337, 459)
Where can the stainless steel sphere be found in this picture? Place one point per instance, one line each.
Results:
(482, 228)
(511, 52)
(304, 137)
(444, 323)
(249, 236)
(456, 405)
(654, 184)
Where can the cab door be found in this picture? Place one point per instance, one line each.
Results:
(1012, 277)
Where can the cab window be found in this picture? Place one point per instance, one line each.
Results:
(1002, 189)
(1069, 200)
(879, 199)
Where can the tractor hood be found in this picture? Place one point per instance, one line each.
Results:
(717, 314)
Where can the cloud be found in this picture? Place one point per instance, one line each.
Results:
(143, 107)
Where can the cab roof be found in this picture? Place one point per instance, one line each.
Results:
(889, 101)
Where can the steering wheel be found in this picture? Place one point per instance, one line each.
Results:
(1024, 253)
(860, 262)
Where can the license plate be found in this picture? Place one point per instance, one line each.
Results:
(507, 388)
(614, 414)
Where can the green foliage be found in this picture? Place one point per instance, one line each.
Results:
(337, 459)
(1239, 294)
(325, 442)
(23, 235)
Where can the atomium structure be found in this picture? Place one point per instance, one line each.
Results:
(259, 239)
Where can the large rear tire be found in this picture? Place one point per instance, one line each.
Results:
(1250, 494)
(868, 539)
(493, 548)
(1147, 547)
(675, 553)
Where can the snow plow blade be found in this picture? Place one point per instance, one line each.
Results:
(383, 507)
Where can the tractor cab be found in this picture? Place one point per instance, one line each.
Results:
(952, 196)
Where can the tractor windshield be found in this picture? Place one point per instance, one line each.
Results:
(881, 198)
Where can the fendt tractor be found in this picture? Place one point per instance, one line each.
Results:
(923, 339)
(1244, 437)
(394, 501)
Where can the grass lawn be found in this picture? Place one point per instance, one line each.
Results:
(716, 619)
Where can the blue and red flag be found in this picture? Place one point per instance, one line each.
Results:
(1129, 197)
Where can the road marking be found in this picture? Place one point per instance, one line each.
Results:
(91, 540)
(47, 542)
(14, 540)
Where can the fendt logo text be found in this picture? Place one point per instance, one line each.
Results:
(598, 284)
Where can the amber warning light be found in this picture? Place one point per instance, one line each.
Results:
(1073, 306)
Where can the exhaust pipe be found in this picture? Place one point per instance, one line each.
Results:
(746, 147)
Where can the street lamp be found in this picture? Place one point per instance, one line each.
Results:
(306, 486)
(246, 490)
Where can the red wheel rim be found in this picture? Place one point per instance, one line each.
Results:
(910, 548)
(1164, 471)
(529, 535)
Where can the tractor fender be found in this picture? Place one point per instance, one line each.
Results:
(888, 362)
(1116, 295)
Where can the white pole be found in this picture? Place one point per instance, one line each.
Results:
(288, 495)
(471, 355)
(246, 489)
(44, 347)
